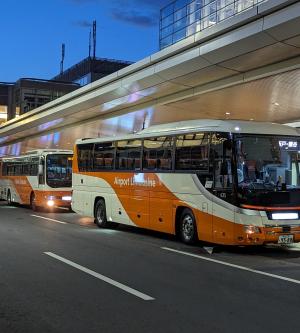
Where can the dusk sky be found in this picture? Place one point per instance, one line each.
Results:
(32, 32)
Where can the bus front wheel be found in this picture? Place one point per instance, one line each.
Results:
(187, 227)
(100, 214)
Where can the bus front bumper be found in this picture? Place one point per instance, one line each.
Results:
(283, 235)
(58, 201)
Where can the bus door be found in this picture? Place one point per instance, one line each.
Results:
(223, 214)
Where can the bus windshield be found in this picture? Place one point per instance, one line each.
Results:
(268, 170)
(59, 170)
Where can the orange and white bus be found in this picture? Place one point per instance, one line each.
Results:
(40, 178)
(224, 182)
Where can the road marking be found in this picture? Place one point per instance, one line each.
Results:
(7, 207)
(48, 219)
(234, 266)
(102, 277)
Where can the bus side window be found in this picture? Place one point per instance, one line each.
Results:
(129, 154)
(104, 154)
(192, 152)
(158, 153)
(85, 154)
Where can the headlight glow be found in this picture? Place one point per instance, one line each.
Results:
(50, 203)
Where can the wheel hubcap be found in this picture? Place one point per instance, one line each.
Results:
(188, 227)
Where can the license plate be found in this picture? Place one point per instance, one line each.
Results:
(286, 239)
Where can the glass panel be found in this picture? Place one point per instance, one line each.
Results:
(158, 153)
(265, 165)
(104, 156)
(192, 29)
(59, 170)
(180, 14)
(167, 10)
(166, 41)
(167, 31)
(85, 157)
(195, 5)
(221, 156)
(180, 3)
(192, 152)
(167, 21)
(180, 24)
(179, 35)
(129, 155)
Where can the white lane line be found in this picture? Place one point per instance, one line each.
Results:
(234, 266)
(48, 219)
(102, 277)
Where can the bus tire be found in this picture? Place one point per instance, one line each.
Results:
(33, 205)
(9, 202)
(100, 214)
(187, 227)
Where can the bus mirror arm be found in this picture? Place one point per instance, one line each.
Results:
(41, 170)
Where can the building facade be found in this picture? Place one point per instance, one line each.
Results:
(183, 18)
(91, 69)
(27, 94)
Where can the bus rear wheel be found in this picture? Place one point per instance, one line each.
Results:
(187, 227)
(100, 214)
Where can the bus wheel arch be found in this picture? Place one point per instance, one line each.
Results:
(32, 201)
(100, 212)
(186, 225)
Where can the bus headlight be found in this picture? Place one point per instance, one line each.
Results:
(50, 203)
(67, 198)
(251, 229)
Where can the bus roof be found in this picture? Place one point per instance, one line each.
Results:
(38, 152)
(204, 125)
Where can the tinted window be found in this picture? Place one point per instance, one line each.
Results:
(129, 155)
(85, 160)
(104, 154)
(221, 153)
(192, 151)
(158, 153)
(59, 170)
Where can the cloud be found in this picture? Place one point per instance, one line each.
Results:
(144, 13)
(134, 17)
(83, 23)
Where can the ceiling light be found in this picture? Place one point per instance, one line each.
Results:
(276, 104)
(228, 113)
